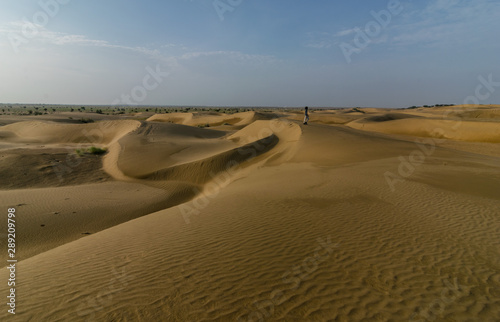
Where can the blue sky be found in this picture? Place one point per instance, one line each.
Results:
(248, 53)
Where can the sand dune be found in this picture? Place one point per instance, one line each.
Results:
(483, 114)
(362, 215)
(171, 152)
(210, 118)
(473, 131)
(104, 132)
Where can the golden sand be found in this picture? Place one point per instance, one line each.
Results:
(362, 215)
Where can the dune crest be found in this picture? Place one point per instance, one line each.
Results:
(194, 155)
(103, 132)
(460, 130)
(210, 118)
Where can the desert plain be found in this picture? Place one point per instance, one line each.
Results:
(362, 215)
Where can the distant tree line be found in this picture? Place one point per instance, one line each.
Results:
(428, 106)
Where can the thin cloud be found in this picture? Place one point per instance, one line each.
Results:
(46, 36)
(319, 40)
(320, 45)
(439, 23)
(444, 22)
(345, 32)
(235, 55)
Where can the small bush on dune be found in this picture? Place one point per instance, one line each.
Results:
(92, 150)
(203, 125)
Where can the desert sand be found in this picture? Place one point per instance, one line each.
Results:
(362, 215)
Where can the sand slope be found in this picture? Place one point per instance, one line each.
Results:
(454, 130)
(272, 221)
(210, 118)
(104, 132)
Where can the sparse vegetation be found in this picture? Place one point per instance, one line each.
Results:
(18, 109)
(203, 125)
(95, 150)
(357, 109)
(92, 150)
(429, 106)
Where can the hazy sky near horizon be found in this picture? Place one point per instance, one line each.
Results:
(249, 53)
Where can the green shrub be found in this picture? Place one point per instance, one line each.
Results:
(95, 150)
(92, 150)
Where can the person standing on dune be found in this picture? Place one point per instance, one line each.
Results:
(306, 116)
